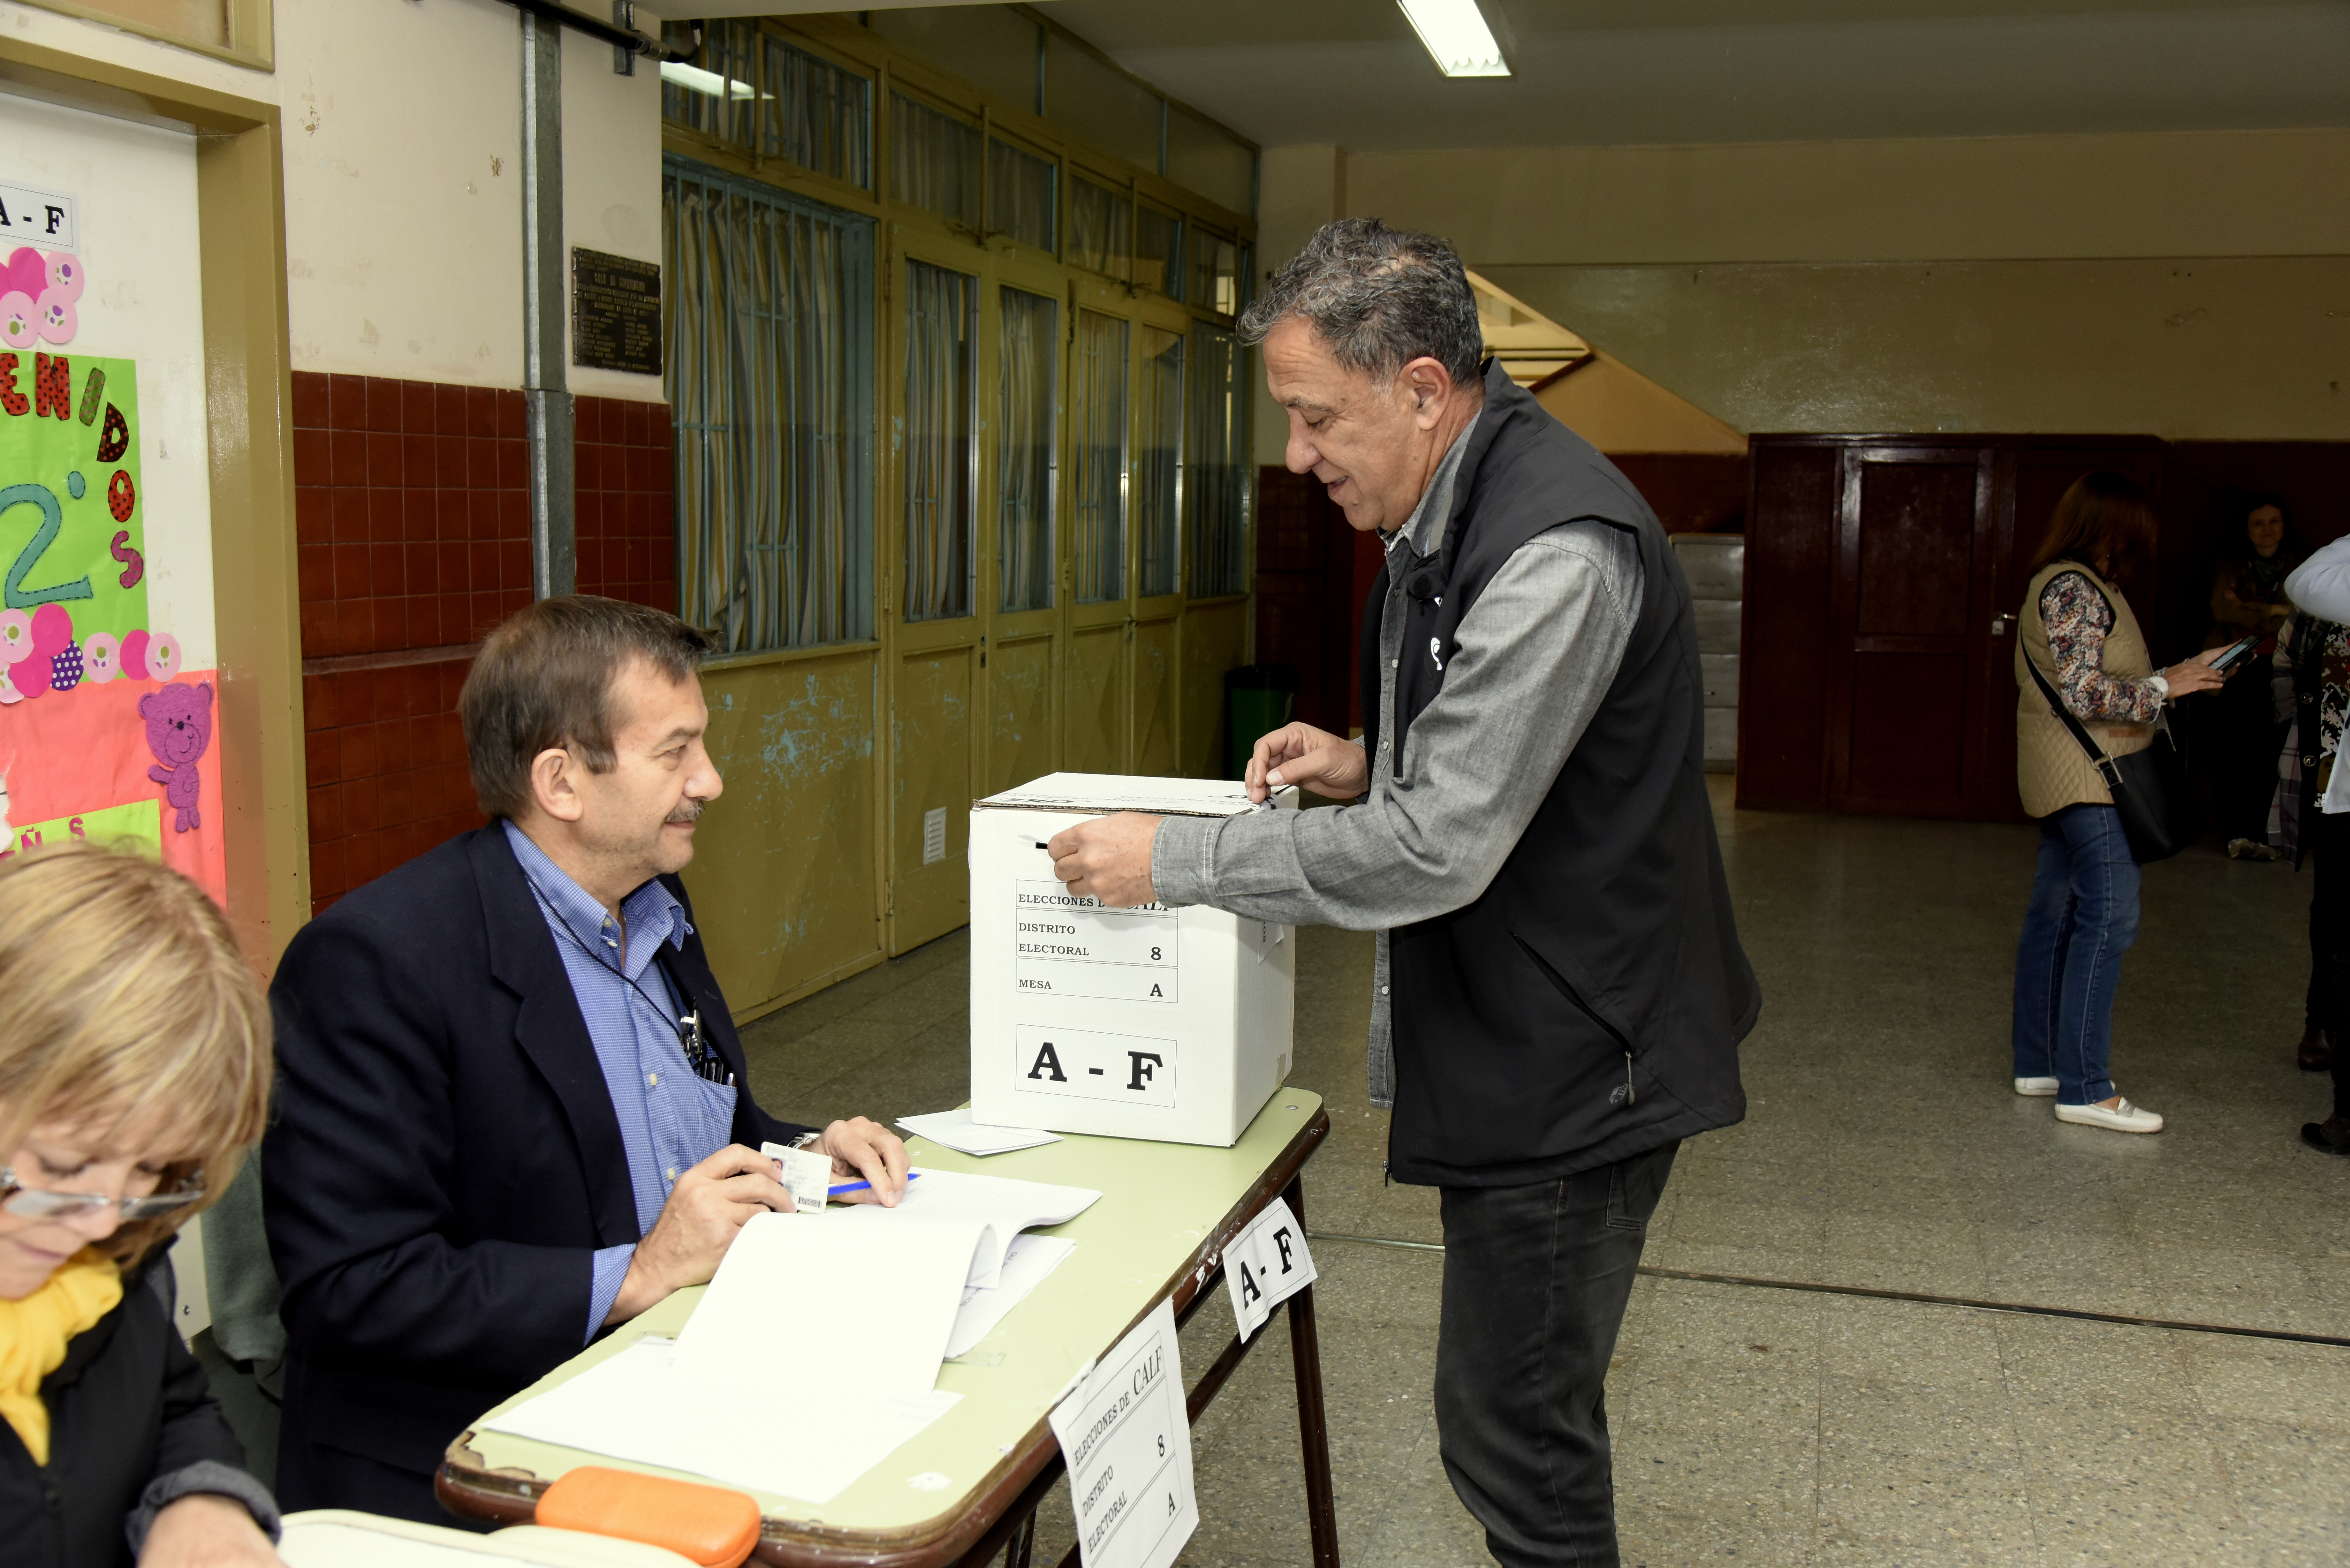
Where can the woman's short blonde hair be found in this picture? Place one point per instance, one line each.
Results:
(124, 1003)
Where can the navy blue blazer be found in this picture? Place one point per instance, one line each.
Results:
(443, 1160)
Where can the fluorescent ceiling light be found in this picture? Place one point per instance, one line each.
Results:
(693, 78)
(1455, 33)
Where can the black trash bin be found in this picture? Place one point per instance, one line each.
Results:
(1258, 698)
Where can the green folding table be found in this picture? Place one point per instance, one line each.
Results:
(1166, 1212)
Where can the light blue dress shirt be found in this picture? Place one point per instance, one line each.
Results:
(671, 1121)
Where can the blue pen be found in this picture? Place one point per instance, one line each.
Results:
(864, 1185)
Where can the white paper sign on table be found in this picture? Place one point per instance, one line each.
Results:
(1265, 1265)
(1128, 1440)
(959, 1132)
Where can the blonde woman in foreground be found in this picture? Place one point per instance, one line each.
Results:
(134, 1073)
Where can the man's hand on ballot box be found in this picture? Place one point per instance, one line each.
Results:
(1309, 758)
(1107, 858)
(712, 1202)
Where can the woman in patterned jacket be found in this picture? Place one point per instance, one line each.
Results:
(2077, 630)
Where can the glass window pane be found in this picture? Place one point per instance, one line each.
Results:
(1208, 159)
(819, 115)
(939, 416)
(1020, 194)
(1215, 493)
(1159, 252)
(767, 326)
(1030, 358)
(1215, 273)
(933, 160)
(1100, 102)
(993, 46)
(715, 94)
(1097, 488)
(1159, 460)
(1101, 226)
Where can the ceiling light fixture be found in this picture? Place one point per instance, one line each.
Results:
(693, 78)
(1455, 33)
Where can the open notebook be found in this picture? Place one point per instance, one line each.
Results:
(850, 1311)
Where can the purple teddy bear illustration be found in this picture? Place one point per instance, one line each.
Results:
(178, 728)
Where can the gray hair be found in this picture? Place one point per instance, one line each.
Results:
(1379, 297)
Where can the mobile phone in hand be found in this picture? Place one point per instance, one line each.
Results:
(2238, 651)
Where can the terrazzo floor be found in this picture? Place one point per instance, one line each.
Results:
(1882, 1149)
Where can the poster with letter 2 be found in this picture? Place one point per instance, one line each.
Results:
(103, 735)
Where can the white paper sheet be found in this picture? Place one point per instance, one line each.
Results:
(1025, 1264)
(1129, 1445)
(957, 1131)
(803, 1307)
(636, 1407)
(1006, 1206)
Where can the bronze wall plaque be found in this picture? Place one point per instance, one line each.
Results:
(614, 313)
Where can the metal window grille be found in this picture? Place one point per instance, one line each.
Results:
(768, 323)
(1215, 490)
(1158, 462)
(941, 426)
(1028, 363)
(1099, 483)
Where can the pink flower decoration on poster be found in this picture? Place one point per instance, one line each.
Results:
(15, 636)
(66, 276)
(52, 630)
(18, 323)
(101, 657)
(9, 694)
(56, 321)
(26, 271)
(134, 654)
(162, 656)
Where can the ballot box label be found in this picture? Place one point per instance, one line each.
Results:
(1132, 1069)
(1067, 944)
(1265, 1265)
(1127, 1442)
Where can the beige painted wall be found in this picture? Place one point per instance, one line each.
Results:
(403, 200)
(2187, 285)
(1617, 410)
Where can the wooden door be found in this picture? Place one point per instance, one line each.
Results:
(1908, 654)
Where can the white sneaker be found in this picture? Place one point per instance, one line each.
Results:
(2037, 1087)
(2123, 1117)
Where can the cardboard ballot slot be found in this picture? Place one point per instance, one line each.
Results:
(1154, 1023)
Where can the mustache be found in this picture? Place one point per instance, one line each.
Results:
(689, 810)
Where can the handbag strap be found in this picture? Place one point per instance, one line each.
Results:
(2098, 757)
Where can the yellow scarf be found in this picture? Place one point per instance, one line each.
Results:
(34, 1331)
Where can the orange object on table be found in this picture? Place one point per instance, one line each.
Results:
(711, 1525)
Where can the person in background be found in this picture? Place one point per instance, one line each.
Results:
(2319, 648)
(134, 1071)
(2248, 599)
(2078, 629)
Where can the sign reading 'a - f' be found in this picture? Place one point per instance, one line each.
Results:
(1131, 1068)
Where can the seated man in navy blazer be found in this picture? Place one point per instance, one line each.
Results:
(511, 1110)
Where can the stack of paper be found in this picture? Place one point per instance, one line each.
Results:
(851, 1310)
(957, 1131)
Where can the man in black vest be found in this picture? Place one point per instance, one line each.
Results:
(1559, 991)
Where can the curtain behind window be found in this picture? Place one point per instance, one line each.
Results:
(933, 160)
(1214, 488)
(1159, 464)
(820, 116)
(767, 323)
(1020, 194)
(940, 420)
(1029, 362)
(1098, 486)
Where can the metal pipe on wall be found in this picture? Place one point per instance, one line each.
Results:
(546, 396)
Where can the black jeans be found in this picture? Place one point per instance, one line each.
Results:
(1535, 1279)
(2327, 839)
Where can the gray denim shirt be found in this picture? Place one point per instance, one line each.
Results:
(1535, 657)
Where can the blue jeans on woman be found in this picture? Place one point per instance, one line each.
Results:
(2082, 919)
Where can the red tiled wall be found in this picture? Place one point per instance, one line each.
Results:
(627, 533)
(412, 520)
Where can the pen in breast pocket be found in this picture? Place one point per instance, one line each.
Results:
(911, 1177)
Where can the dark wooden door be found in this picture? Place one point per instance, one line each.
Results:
(1908, 650)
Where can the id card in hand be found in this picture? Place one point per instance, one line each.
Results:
(807, 1175)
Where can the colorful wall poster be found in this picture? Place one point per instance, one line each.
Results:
(99, 722)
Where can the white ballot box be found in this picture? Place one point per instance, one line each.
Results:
(1150, 1022)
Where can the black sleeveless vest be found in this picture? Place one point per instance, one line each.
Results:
(1588, 1006)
